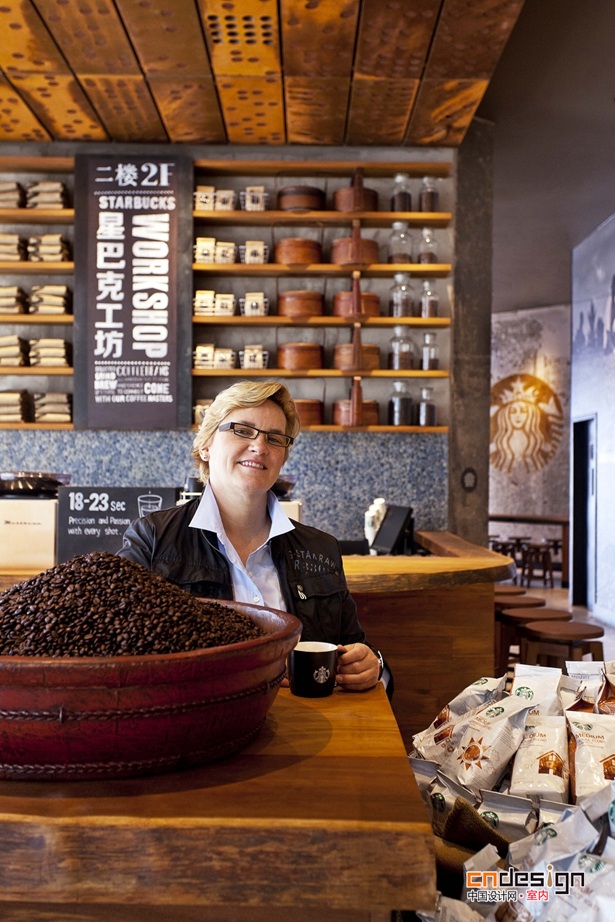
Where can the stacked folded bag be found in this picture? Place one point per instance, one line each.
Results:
(520, 789)
(13, 350)
(50, 299)
(12, 248)
(11, 194)
(13, 300)
(47, 194)
(14, 407)
(52, 408)
(50, 351)
(48, 248)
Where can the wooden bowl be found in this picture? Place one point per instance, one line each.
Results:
(342, 413)
(310, 412)
(354, 199)
(300, 303)
(343, 304)
(301, 198)
(116, 717)
(298, 251)
(347, 251)
(343, 355)
(300, 356)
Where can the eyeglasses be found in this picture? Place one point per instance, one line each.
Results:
(278, 439)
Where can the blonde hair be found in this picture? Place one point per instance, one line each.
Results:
(243, 394)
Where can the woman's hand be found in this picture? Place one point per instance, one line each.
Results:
(358, 667)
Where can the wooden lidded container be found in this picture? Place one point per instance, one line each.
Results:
(343, 413)
(356, 197)
(354, 250)
(344, 357)
(344, 304)
(298, 251)
(301, 198)
(310, 412)
(300, 303)
(299, 356)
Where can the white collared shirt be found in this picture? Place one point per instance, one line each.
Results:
(258, 582)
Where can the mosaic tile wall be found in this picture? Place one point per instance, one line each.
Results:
(337, 474)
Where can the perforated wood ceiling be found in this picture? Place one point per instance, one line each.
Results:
(333, 72)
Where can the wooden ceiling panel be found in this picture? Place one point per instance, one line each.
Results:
(318, 37)
(379, 110)
(316, 110)
(61, 105)
(189, 109)
(443, 111)
(394, 39)
(263, 72)
(125, 107)
(167, 36)
(17, 121)
(26, 44)
(253, 109)
(242, 37)
(91, 35)
(470, 38)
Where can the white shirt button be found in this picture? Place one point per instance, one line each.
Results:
(256, 599)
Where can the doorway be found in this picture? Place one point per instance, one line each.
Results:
(583, 531)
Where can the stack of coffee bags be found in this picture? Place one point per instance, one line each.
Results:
(11, 194)
(13, 300)
(13, 350)
(14, 407)
(52, 408)
(51, 299)
(50, 352)
(12, 248)
(47, 194)
(48, 248)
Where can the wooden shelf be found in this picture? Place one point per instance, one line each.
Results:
(36, 426)
(314, 373)
(27, 267)
(37, 216)
(35, 371)
(396, 429)
(276, 320)
(36, 318)
(339, 168)
(37, 164)
(330, 270)
(322, 218)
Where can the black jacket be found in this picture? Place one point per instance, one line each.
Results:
(308, 561)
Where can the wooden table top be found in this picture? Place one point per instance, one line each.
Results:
(321, 811)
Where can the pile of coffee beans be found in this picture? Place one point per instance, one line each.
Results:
(101, 605)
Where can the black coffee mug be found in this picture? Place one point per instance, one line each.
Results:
(312, 666)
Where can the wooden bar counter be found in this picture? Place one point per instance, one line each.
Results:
(432, 618)
(318, 819)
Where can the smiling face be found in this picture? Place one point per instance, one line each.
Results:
(247, 465)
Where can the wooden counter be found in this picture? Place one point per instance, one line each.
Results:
(318, 819)
(432, 617)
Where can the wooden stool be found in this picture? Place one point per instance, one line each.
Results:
(536, 557)
(500, 604)
(560, 641)
(508, 624)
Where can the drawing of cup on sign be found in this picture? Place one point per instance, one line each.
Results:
(148, 502)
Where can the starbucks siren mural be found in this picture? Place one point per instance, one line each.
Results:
(526, 423)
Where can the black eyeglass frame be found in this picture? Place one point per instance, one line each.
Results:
(286, 440)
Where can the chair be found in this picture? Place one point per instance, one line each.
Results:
(536, 557)
(552, 644)
(506, 590)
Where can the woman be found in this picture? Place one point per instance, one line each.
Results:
(235, 541)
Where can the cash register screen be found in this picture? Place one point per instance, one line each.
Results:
(395, 533)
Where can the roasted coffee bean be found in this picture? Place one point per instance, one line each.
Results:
(101, 605)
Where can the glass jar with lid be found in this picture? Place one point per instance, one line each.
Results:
(429, 198)
(428, 247)
(401, 196)
(430, 353)
(430, 302)
(401, 405)
(427, 408)
(400, 243)
(401, 350)
(402, 297)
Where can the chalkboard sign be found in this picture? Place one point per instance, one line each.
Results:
(95, 518)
